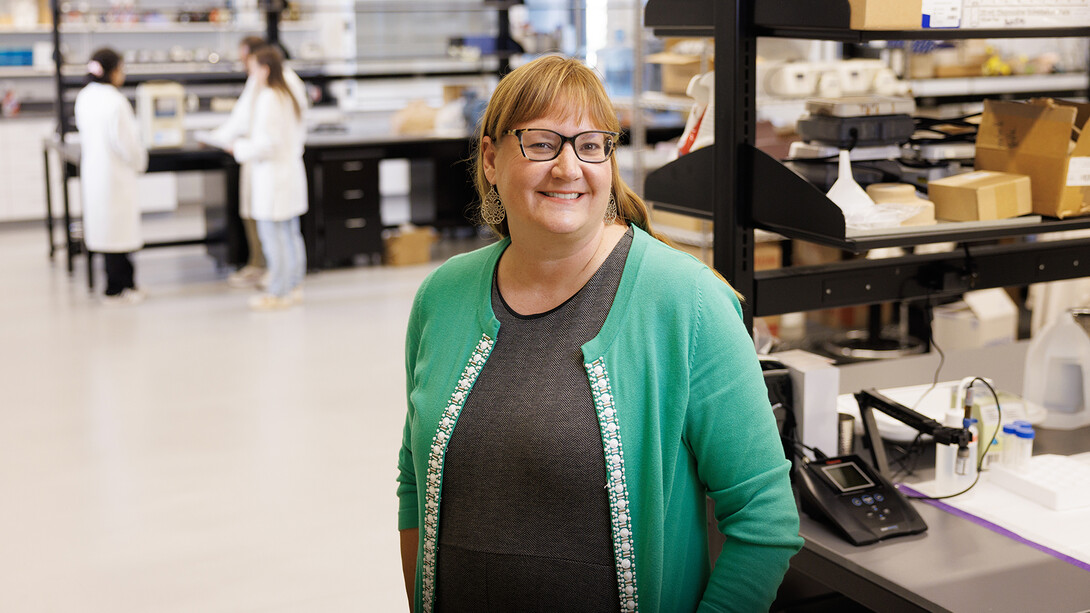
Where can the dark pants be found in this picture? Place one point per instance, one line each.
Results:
(119, 273)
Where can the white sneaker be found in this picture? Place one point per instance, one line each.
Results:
(126, 297)
(246, 277)
(296, 295)
(268, 302)
(263, 281)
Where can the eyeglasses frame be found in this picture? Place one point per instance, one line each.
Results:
(564, 139)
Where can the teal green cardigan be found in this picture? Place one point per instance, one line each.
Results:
(683, 411)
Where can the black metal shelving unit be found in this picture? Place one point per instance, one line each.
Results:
(742, 189)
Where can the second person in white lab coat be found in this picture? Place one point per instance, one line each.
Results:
(237, 126)
(112, 157)
(278, 184)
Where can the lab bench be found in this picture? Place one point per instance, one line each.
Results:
(957, 565)
(342, 166)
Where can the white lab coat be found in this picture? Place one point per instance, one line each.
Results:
(274, 151)
(112, 156)
(239, 124)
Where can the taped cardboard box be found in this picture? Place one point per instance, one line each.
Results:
(408, 245)
(981, 194)
(886, 14)
(677, 70)
(693, 235)
(1035, 138)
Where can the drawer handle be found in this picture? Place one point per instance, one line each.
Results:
(352, 166)
(353, 194)
(355, 223)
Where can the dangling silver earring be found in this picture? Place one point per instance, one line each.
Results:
(611, 210)
(492, 212)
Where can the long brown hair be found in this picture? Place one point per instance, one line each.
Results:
(270, 57)
(549, 85)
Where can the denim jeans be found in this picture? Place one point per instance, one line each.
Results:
(285, 254)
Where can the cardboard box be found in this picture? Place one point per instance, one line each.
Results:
(694, 235)
(678, 70)
(954, 71)
(984, 318)
(408, 245)
(677, 221)
(981, 194)
(1034, 138)
(886, 14)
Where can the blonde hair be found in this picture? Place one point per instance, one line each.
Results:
(552, 85)
(555, 85)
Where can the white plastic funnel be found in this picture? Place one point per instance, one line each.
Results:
(846, 193)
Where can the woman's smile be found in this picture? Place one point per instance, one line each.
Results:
(563, 195)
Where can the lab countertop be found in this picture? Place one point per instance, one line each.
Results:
(322, 135)
(362, 132)
(957, 565)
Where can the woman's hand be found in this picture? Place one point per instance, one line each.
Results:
(410, 540)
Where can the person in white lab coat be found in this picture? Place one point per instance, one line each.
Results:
(278, 183)
(238, 125)
(112, 158)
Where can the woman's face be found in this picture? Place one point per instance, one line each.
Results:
(565, 196)
(117, 77)
(258, 71)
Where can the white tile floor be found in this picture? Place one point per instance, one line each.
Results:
(189, 455)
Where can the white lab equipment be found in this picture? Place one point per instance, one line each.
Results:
(160, 109)
(846, 193)
(1058, 482)
(1057, 373)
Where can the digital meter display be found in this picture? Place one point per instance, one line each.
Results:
(847, 477)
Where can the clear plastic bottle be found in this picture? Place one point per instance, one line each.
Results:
(954, 474)
(1024, 435)
(1009, 445)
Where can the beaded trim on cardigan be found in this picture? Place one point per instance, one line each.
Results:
(435, 465)
(619, 504)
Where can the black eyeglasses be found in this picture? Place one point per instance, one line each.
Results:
(541, 145)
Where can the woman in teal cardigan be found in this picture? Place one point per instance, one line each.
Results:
(577, 390)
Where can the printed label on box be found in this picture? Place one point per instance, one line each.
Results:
(941, 14)
(1078, 172)
(1025, 13)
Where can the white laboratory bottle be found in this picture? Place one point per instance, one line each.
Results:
(1009, 445)
(1024, 435)
(951, 475)
(1057, 373)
